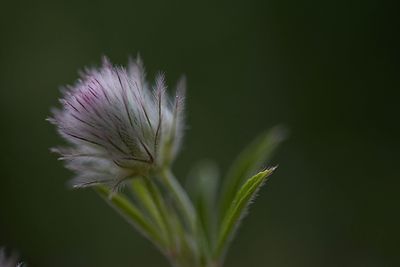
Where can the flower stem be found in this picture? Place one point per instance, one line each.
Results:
(132, 214)
(181, 198)
(162, 209)
(186, 210)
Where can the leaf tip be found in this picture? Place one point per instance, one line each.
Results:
(269, 171)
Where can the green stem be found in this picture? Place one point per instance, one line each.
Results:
(132, 214)
(182, 200)
(186, 209)
(162, 209)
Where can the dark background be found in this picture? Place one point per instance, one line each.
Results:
(329, 70)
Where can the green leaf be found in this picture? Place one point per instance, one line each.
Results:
(132, 214)
(202, 185)
(249, 161)
(238, 209)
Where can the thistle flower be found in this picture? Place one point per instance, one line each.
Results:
(117, 127)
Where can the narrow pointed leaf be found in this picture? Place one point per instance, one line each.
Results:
(249, 161)
(238, 209)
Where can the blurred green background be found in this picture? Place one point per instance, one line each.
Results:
(329, 70)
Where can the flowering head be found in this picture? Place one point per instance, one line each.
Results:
(117, 126)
